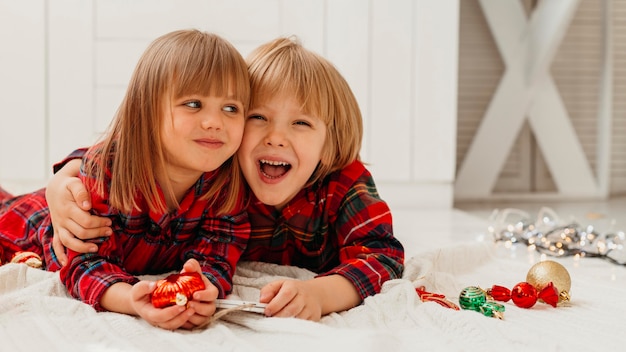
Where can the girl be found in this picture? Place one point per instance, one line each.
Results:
(314, 205)
(166, 179)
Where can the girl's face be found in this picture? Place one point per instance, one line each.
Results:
(199, 133)
(280, 149)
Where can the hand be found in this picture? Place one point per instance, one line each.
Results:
(169, 318)
(69, 204)
(292, 298)
(203, 302)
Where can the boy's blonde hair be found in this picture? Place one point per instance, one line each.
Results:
(284, 67)
(179, 63)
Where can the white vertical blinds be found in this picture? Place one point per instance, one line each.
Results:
(576, 70)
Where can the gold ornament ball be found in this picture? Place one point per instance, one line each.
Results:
(542, 273)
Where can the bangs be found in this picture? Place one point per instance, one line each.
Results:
(293, 75)
(209, 66)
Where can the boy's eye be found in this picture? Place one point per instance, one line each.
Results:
(194, 104)
(256, 117)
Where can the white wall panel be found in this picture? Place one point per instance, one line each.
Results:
(305, 18)
(116, 60)
(237, 20)
(107, 101)
(347, 46)
(92, 46)
(435, 81)
(71, 78)
(392, 64)
(22, 90)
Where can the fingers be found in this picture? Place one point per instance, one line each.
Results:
(280, 298)
(285, 305)
(203, 301)
(197, 313)
(75, 244)
(203, 311)
(173, 317)
(59, 250)
(86, 226)
(79, 193)
(170, 318)
(269, 291)
(192, 265)
(291, 298)
(210, 292)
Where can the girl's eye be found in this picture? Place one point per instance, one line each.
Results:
(195, 104)
(230, 108)
(302, 123)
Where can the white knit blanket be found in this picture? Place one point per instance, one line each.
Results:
(36, 313)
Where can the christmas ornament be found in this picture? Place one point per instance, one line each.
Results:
(435, 297)
(524, 295)
(474, 298)
(176, 289)
(548, 271)
(29, 258)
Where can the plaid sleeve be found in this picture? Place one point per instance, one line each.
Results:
(88, 275)
(77, 154)
(220, 244)
(369, 254)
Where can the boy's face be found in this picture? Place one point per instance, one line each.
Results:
(280, 150)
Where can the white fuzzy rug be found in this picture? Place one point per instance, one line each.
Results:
(37, 314)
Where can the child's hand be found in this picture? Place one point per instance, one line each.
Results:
(291, 298)
(69, 204)
(169, 318)
(203, 302)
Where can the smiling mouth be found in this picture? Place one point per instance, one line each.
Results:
(273, 169)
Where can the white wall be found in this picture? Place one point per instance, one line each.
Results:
(64, 65)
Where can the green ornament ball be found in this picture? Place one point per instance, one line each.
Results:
(472, 298)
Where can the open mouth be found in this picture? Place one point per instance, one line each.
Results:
(273, 169)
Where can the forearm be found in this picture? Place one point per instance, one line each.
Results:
(117, 298)
(70, 169)
(335, 292)
(56, 184)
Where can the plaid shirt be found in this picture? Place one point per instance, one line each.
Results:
(25, 226)
(338, 226)
(147, 242)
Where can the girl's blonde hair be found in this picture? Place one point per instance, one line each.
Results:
(177, 64)
(284, 67)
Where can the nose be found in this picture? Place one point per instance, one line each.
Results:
(276, 137)
(212, 120)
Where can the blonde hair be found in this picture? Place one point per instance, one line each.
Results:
(284, 66)
(179, 63)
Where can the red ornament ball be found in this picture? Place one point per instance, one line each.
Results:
(524, 295)
(176, 289)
